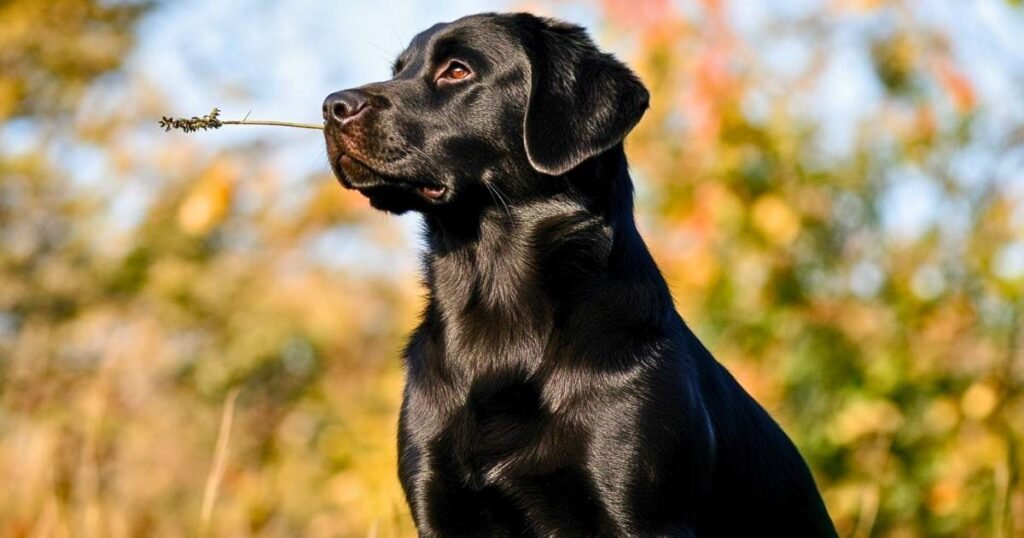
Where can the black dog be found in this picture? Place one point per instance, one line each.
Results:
(552, 389)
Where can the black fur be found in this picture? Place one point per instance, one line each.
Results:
(551, 388)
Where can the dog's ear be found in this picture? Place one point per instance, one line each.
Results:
(582, 101)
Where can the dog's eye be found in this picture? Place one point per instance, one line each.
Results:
(455, 71)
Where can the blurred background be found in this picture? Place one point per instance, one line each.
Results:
(199, 334)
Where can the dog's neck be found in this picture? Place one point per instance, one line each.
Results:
(504, 276)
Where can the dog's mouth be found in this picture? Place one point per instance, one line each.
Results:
(358, 175)
(432, 192)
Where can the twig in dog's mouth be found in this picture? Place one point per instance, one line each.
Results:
(213, 121)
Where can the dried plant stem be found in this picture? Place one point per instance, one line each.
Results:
(213, 121)
(274, 123)
(219, 462)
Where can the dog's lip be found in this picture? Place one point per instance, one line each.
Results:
(433, 192)
(345, 160)
(430, 191)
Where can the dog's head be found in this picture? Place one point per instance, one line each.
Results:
(481, 109)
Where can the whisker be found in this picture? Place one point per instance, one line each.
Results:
(431, 163)
(501, 196)
(490, 189)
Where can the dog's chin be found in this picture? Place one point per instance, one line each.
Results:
(392, 199)
(386, 193)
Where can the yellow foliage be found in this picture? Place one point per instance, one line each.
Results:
(208, 203)
(944, 497)
(9, 96)
(863, 418)
(942, 415)
(776, 221)
(979, 400)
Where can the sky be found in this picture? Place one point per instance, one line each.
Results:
(278, 60)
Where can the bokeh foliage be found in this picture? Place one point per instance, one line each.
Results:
(893, 358)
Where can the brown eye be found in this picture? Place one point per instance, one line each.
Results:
(455, 71)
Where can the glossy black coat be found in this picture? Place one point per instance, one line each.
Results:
(552, 389)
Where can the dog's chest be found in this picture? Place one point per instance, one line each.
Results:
(498, 426)
(502, 451)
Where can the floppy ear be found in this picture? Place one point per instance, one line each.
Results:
(582, 101)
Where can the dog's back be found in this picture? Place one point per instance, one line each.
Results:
(758, 468)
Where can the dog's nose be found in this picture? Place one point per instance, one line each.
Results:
(340, 106)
